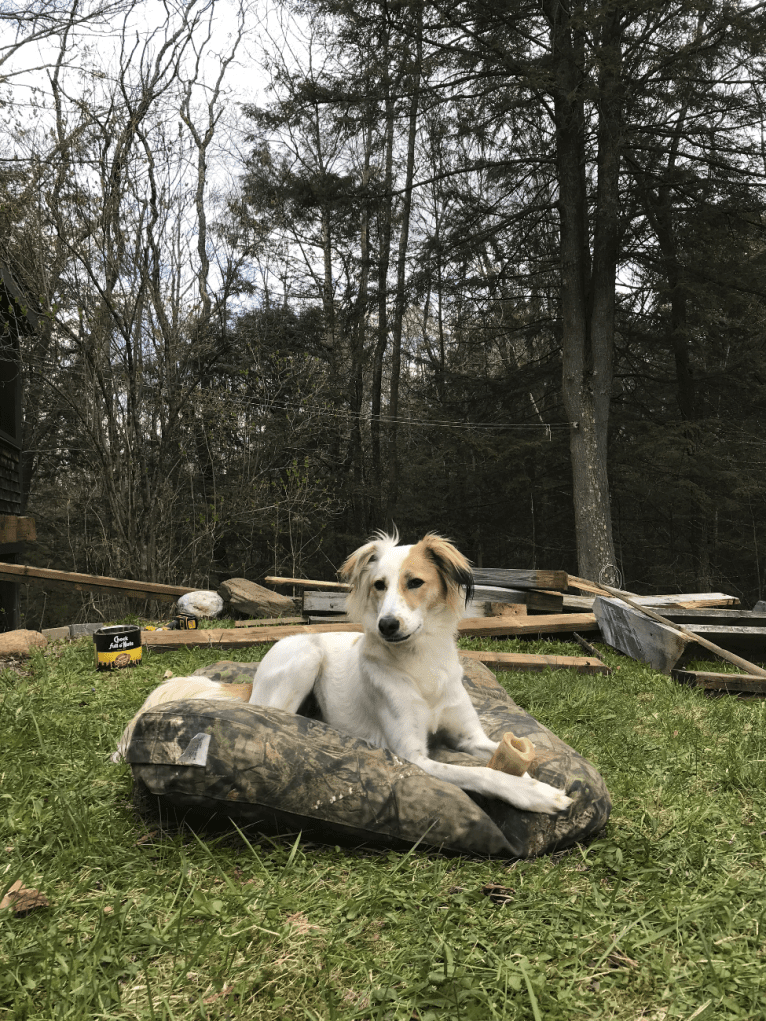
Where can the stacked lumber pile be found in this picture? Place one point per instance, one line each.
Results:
(665, 631)
(506, 603)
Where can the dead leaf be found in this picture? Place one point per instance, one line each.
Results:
(148, 838)
(22, 899)
(619, 960)
(498, 894)
(300, 922)
(217, 996)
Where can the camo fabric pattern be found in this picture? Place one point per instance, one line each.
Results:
(272, 772)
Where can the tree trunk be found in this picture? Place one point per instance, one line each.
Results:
(587, 292)
(401, 275)
(384, 259)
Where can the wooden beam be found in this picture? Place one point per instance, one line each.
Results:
(689, 600)
(235, 638)
(333, 601)
(14, 528)
(512, 578)
(721, 682)
(546, 623)
(681, 601)
(330, 601)
(92, 582)
(306, 583)
(490, 577)
(528, 661)
(723, 618)
(475, 627)
(548, 602)
(268, 621)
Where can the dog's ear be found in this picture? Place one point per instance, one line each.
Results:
(355, 565)
(352, 572)
(452, 565)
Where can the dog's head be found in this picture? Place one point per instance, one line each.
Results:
(399, 591)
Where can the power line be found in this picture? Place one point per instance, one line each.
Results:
(265, 407)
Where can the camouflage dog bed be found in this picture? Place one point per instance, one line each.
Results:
(214, 764)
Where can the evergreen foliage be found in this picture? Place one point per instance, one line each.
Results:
(455, 231)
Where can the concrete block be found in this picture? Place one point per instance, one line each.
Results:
(83, 630)
(53, 634)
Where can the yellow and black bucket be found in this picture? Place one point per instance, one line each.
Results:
(117, 646)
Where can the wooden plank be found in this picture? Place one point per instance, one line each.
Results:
(518, 625)
(580, 603)
(723, 618)
(689, 600)
(14, 528)
(496, 610)
(307, 583)
(551, 602)
(513, 578)
(722, 682)
(683, 601)
(92, 582)
(241, 638)
(529, 661)
(233, 638)
(552, 623)
(269, 621)
(330, 601)
(548, 602)
(729, 642)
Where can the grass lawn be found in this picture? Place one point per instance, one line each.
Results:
(663, 916)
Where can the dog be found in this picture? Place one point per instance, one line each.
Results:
(398, 683)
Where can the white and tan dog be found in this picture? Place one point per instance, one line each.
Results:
(398, 683)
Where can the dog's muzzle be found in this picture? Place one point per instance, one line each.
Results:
(389, 629)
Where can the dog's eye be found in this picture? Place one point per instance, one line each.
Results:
(380, 585)
(415, 583)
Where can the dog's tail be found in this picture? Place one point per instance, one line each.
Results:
(177, 688)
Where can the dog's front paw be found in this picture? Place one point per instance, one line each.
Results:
(544, 798)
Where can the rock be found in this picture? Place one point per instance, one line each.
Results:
(201, 603)
(20, 643)
(256, 601)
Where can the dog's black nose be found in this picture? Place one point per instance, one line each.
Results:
(388, 626)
